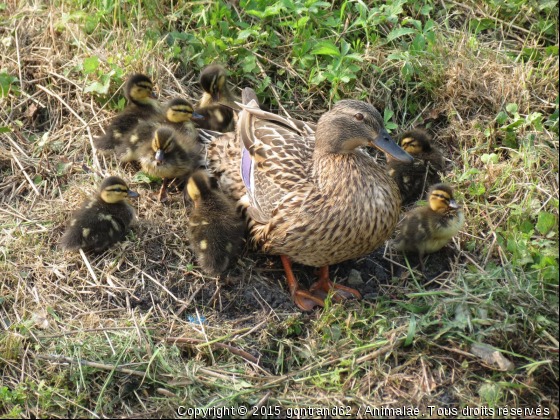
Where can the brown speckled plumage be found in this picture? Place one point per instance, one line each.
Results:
(309, 203)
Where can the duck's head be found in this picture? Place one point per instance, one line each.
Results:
(351, 124)
(114, 189)
(198, 186)
(163, 143)
(180, 110)
(139, 89)
(441, 199)
(416, 141)
(213, 80)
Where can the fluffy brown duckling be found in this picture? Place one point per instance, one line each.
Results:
(180, 114)
(217, 232)
(213, 81)
(102, 220)
(413, 179)
(169, 154)
(428, 229)
(142, 106)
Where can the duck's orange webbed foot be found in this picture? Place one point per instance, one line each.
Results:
(324, 285)
(302, 298)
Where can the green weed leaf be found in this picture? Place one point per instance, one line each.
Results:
(326, 48)
(546, 221)
(397, 33)
(511, 108)
(91, 64)
(98, 87)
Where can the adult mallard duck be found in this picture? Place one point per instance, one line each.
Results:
(179, 114)
(427, 229)
(313, 199)
(216, 94)
(413, 179)
(142, 106)
(169, 154)
(217, 232)
(102, 220)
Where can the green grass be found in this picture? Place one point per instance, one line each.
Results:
(481, 76)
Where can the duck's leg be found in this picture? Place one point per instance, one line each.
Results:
(162, 195)
(325, 285)
(302, 298)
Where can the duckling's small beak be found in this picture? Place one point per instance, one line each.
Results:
(216, 96)
(159, 156)
(132, 194)
(386, 144)
(196, 116)
(453, 204)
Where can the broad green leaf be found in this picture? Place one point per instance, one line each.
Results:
(501, 118)
(144, 177)
(387, 114)
(511, 108)
(411, 331)
(247, 33)
(5, 130)
(397, 33)
(326, 48)
(91, 64)
(97, 87)
(545, 222)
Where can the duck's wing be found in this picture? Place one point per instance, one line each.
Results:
(275, 157)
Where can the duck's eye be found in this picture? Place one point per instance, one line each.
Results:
(359, 117)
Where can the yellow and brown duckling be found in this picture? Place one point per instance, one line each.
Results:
(180, 114)
(213, 81)
(142, 106)
(217, 232)
(102, 220)
(315, 199)
(427, 229)
(414, 179)
(169, 154)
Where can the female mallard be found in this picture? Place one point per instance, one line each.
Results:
(413, 179)
(217, 232)
(102, 220)
(427, 229)
(142, 106)
(314, 199)
(213, 81)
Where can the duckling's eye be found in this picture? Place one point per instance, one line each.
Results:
(359, 117)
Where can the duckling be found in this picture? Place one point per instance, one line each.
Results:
(169, 154)
(141, 106)
(179, 114)
(102, 220)
(217, 232)
(428, 229)
(413, 179)
(213, 81)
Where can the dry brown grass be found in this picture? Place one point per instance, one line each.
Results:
(118, 312)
